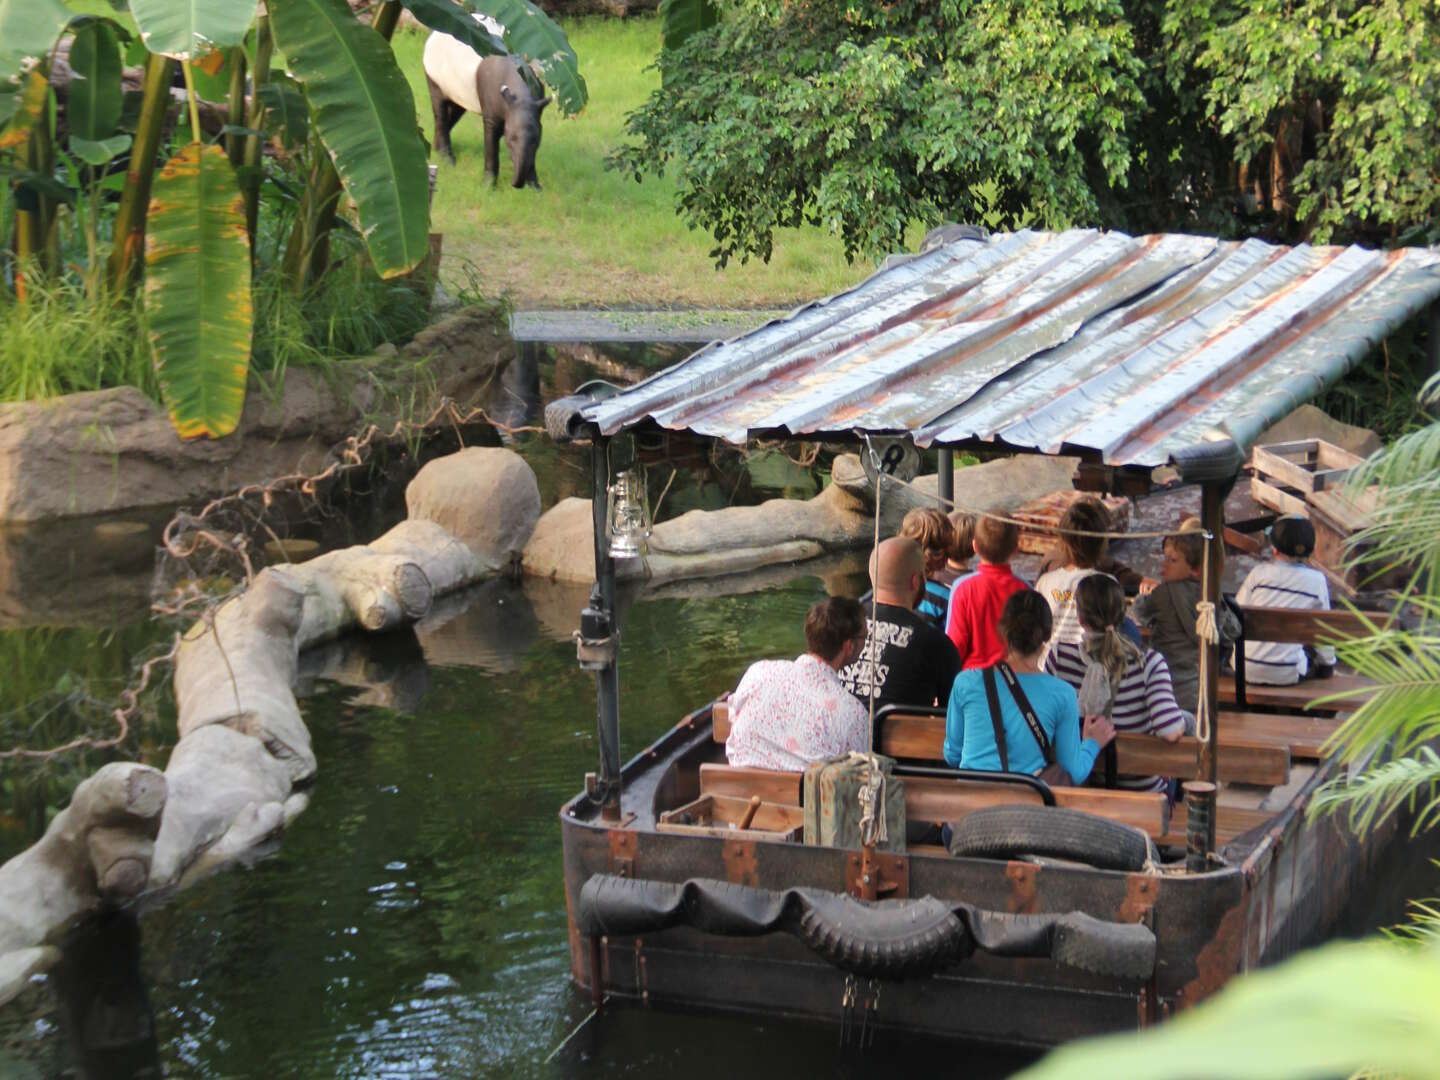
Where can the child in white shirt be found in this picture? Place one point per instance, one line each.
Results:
(1286, 582)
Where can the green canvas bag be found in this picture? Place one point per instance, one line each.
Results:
(837, 793)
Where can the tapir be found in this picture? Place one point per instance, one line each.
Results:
(460, 81)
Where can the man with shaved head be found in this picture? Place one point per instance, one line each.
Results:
(905, 661)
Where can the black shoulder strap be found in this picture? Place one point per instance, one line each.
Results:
(1031, 720)
(992, 695)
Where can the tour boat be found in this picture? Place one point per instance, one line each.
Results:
(687, 880)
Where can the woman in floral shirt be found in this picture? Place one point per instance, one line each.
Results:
(788, 713)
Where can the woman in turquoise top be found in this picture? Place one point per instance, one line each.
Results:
(1025, 626)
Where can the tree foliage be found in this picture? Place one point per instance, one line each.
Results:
(863, 117)
(1309, 120)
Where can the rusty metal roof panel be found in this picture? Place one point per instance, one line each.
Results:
(1128, 347)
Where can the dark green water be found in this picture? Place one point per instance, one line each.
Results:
(413, 923)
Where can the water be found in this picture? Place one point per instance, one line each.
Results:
(412, 923)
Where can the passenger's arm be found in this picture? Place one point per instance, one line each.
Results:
(1167, 719)
(958, 631)
(1074, 754)
(955, 728)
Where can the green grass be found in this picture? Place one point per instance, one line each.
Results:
(592, 237)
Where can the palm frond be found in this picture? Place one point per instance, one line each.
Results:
(1374, 794)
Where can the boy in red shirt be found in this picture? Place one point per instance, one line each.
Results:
(975, 609)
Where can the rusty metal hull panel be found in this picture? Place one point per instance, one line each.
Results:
(1284, 888)
(1130, 349)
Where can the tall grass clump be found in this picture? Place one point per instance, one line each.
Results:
(63, 341)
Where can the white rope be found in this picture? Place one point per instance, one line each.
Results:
(1207, 630)
(873, 646)
(872, 800)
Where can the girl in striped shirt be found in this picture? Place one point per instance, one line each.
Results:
(1115, 677)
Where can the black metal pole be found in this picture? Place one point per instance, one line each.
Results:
(602, 598)
(947, 478)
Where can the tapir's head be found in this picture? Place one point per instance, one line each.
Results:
(522, 132)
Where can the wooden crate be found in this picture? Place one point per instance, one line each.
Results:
(1043, 515)
(1287, 474)
(720, 815)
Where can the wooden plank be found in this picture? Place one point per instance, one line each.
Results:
(1303, 736)
(1307, 627)
(1271, 462)
(742, 782)
(1297, 698)
(1240, 761)
(922, 738)
(1276, 498)
(1230, 822)
(937, 799)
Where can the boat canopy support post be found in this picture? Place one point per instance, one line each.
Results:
(598, 642)
(947, 479)
(1212, 513)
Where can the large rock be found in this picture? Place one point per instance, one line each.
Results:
(1308, 422)
(484, 496)
(115, 449)
(709, 543)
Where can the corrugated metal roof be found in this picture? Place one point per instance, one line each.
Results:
(1130, 347)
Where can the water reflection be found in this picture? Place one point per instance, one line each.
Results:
(105, 1013)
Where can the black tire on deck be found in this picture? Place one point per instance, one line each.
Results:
(1004, 832)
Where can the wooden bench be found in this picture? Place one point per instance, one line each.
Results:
(1242, 760)
(938, 799)
(1303, 628)
(1303, 736)
(920, 736)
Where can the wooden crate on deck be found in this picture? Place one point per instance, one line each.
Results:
(1288, 473)
(1044, 514)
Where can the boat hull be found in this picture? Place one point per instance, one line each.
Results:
(1284, 886)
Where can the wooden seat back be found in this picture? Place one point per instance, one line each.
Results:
(940, 799)
(920, 736)
(1303, 627)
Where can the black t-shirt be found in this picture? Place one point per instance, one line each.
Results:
(910, 662)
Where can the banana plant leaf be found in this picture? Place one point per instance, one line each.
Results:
(197, 291)
(361, 104)
(30, 186)
(96, 95)
(679, 19)
(97, 152)
(28, 29)
(532, 34)
(30, 109)
(286, 113)
(454, 19)
(190, 29)
(1333, 1011)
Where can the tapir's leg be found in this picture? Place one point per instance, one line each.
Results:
(493, 130)
(439, 105)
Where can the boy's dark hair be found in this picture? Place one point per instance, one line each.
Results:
(1026, 622)
(1191, 546)
(1293, 535)
(1087, 515)
(832, 622)
(930, 529)
(995, 540)
(962, 536)
(1099, 601)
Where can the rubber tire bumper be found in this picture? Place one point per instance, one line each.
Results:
(1004, 832)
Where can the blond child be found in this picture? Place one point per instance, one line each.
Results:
(1167, 613)
(931, 529)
